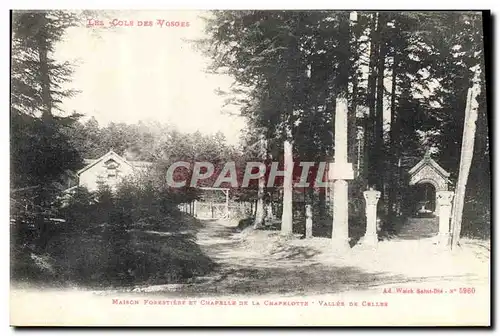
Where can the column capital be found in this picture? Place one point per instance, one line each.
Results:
(371, 196)
(444, 197)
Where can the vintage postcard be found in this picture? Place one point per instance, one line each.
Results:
(249, 168)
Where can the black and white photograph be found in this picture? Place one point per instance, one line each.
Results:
(250, 168)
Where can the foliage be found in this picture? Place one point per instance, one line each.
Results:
(37, 78)
(40, 152)
(289, 66)
(131, 236)
(88, 238)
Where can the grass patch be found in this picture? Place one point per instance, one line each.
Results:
(106, 256)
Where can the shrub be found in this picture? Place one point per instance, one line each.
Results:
(106, 240)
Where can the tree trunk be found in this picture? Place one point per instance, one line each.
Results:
(43, 58)
(322, 210)
(352, 118)
(260, 209)
(371, 98)
(268, 195)
(395, 147)
(287, 215)
(467, 151)
(269, 213)
(379, 160)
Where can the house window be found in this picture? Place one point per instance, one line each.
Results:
(112, 174)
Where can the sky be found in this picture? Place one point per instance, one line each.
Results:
(132, 73)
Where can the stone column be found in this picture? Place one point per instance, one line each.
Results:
(370, 239)
(436, 209)
(443, 201)
(339, 172)
(309, 221)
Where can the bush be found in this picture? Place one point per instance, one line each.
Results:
(111, 238)
(245, 222)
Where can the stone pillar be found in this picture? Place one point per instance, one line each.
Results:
(309, 221)
(370, 239)
(436, 209)
(339, 172)
(443, 201)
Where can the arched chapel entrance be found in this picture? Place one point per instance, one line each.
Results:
(428, 201)
(430, 179)
(423, 198)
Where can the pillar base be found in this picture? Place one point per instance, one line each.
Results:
(369, 241)
(341, 244)
(443, 239)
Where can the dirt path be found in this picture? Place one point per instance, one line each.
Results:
(271, 274)
(262, 263)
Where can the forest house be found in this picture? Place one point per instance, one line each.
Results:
(109, 169)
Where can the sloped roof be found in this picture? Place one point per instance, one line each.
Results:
(107, 156)
(89, 161)
(428, 161)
